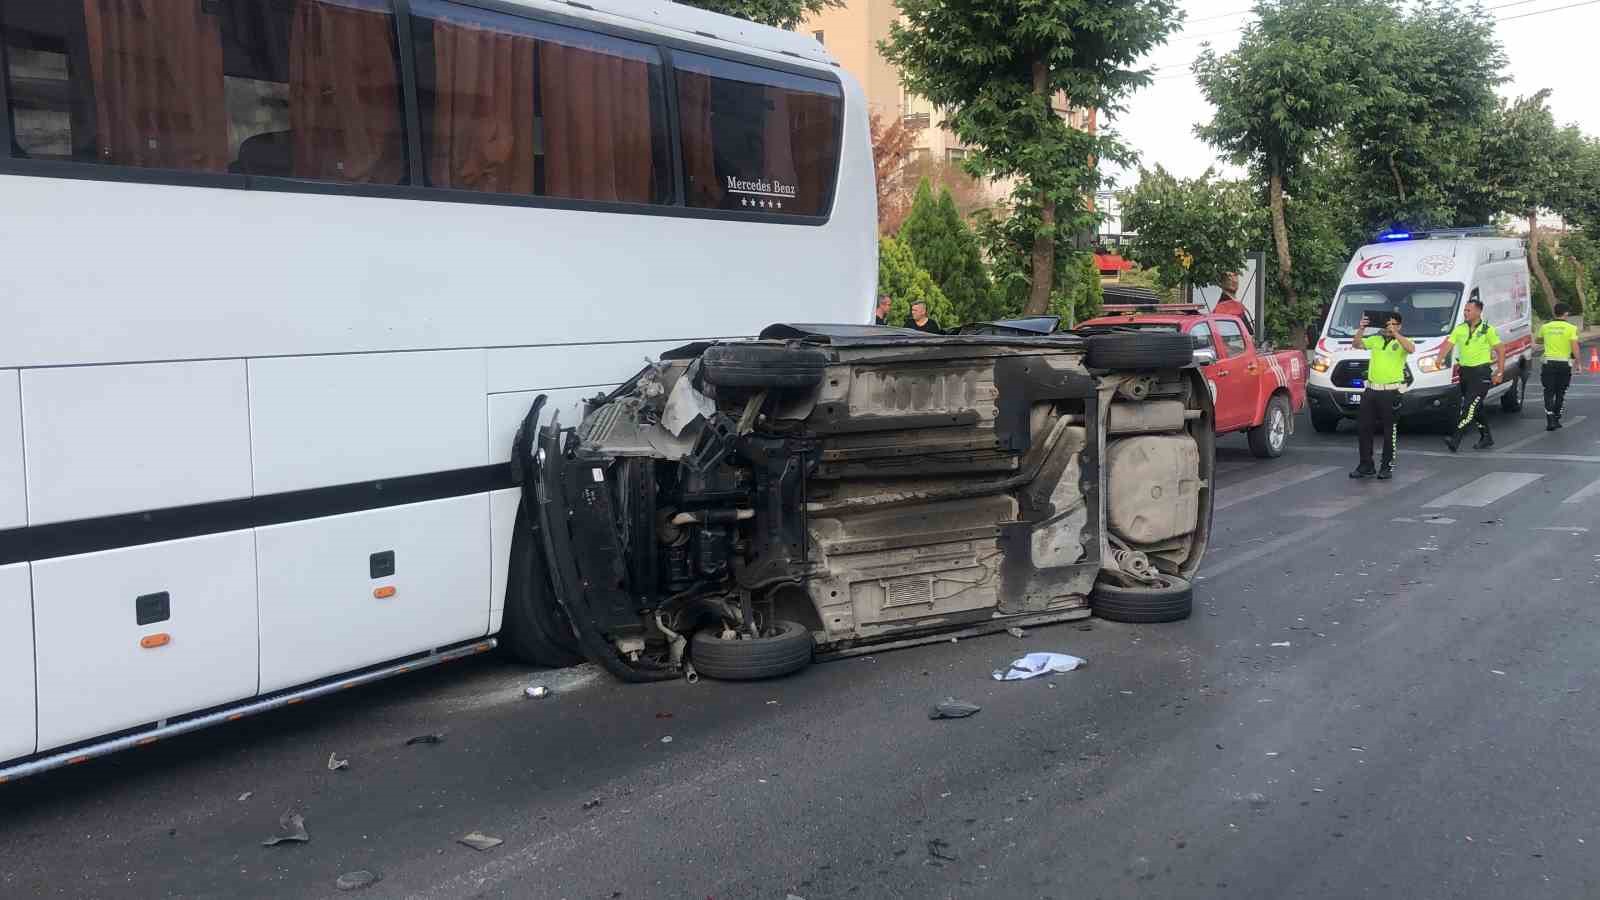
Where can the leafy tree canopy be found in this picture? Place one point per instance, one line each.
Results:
(1195, 229)
(778, 13)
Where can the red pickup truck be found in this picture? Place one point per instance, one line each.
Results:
(1255, 391)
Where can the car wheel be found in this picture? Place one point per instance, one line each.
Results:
(1325, 424)
(784, 648)
(1511, 400)
(1170, 600)
(763, 366)
(1139, 351)
(1268, 439)
(535, 629)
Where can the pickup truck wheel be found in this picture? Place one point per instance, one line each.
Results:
(535, 629)
(1169, 601)
(1324, 424)
(1511, 400)
(1268, 439)
(784, 648)
(763, 366)
(1139, 351)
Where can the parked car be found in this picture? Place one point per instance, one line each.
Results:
(738, 506)
(1254, 390)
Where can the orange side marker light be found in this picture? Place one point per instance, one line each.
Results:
(383, 593)
(152, 641)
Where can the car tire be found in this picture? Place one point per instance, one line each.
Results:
(1268, 439)
(763, 366)
(1511, 400)
(1139, 351)
(535, 629)
(1325, 424)
(1171, 601)
(786, 649)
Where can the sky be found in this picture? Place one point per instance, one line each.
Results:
(1549, 47)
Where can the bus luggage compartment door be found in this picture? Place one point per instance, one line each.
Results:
(131, 636)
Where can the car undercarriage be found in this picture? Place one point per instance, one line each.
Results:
(737, 508)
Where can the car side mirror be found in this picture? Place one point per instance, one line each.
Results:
(1204, 356)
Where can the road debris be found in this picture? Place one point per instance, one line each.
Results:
(1016, 632)
(1496, 672)
(666, 739)
(937, 848)
(291, 829)
(536, 691)
(355, 881)
(951, 708)
(479, 841)
(1282, 644)
(1036, 664)
(596, 803)
(335, 763)
(246, 796)
(1256, 800)
(425, 739)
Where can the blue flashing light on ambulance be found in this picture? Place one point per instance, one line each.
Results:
(1427, 276)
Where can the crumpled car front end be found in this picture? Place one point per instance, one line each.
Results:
(738, 507)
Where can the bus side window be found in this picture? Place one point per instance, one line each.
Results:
(757, 139)
(298, 88)
(514, 106)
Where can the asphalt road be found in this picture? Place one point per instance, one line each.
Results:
(1387, 690)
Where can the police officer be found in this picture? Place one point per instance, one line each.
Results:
(1386, 375)
(1480, 346)
(1560, 340)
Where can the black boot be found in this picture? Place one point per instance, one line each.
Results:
(1453, 442)
(1386, 473)
(1484, 442)
(1551, 423)
(1364, 470)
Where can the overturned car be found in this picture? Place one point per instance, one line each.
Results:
(738, 507)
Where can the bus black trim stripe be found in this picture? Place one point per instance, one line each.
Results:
(39, 542)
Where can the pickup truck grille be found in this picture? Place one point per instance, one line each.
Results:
(1350, 373)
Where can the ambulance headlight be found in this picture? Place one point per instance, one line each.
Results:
(1429, 364)
(1321, 364)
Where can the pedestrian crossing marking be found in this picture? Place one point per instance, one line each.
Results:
(1523, 442)
(1485, 490)
(1263, 485)
(1569, 529)
(1337, 506)
(1590, 490)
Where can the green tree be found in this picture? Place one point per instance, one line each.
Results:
(945, 245)
(999, 68)
(1299, 71)
(1190, 229)
(1008, 243)
(906, 283)
(778, 13)
(1527, 164)
(1415, 137)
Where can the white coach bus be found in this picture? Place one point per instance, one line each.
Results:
(280, 279)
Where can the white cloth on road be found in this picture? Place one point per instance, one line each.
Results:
(1035, 664)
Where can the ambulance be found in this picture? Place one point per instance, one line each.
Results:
(1427, 277)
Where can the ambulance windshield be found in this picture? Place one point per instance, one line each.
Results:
(1426, 310)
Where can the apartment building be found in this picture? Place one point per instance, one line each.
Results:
(852, 33)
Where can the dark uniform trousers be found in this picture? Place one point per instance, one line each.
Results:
(1377, 417)
(1475, 384)
(1556, 378)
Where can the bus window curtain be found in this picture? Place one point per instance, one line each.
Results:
(699, 153)
(484, 134)
(597, 138)
(813, 127)
(344, 94)
(777, 140)
(159, 95)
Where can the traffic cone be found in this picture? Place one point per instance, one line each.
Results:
(1594, 359)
